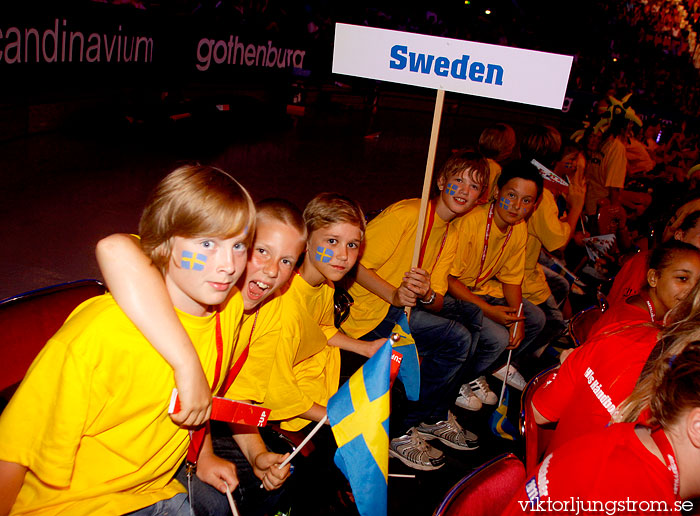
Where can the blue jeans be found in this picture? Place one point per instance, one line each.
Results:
(178, 505)
(558, 285)
(444, 344)
(250, 499)
(494, 337)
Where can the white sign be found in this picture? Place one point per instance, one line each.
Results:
(493, 71)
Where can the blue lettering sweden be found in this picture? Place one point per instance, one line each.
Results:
(459, 68)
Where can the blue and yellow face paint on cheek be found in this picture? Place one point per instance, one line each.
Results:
(504, 203)
(323, 254)
(192, 261)
(451, 189)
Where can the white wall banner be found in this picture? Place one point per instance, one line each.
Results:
(493, 71)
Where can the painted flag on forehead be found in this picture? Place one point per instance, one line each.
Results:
(409, 373)
(359, 418)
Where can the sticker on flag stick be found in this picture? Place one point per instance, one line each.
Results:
(229, 411)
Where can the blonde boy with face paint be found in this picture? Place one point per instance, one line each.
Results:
(489, 266)
(307, 374)
(96, 397)
(386, 284)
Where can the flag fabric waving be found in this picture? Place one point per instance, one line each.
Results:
(359, 417)
(499, 423)
(409, 373)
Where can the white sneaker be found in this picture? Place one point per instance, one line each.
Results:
(515, 379)
(482, 391)
(467, 399)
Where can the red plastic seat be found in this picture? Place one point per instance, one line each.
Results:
(581, 323)
(536, 437)
(29, 320)
(485, 491)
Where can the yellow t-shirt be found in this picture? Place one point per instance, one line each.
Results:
(264, 333)
(388, 250)
(90, 420)
(614, 163)
(543, 228)
(504, 263)
(306, 369)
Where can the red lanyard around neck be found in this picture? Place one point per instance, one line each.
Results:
(197, 436)
(431, 221)
(233, 372)
(666, 450)
(487, 234)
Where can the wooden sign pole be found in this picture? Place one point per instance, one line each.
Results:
(428, 179)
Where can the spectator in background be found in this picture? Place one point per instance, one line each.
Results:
(496, 143)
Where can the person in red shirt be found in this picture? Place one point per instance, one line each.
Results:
(633, 274)
(650, 461)
(597, 376)
(673, 270)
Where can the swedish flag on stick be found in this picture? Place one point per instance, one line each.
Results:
(359, 417)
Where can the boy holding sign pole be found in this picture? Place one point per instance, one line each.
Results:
(386, 284)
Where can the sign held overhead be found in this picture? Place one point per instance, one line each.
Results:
(492, 71)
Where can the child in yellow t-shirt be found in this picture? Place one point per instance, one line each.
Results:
(546, 229)
(386, 284)
(96, 397)
(489, 266)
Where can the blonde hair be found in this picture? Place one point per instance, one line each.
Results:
(194, 201)
(467, 161)
(332, 208)
(283, 211)
(670, 381)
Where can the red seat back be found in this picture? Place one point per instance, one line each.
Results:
(536, 437)
(29, 320)
(581, 323)
(486, 490)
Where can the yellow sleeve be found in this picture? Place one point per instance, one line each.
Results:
(546, 226)
(615, 165)
(44, 421)
(384, 232)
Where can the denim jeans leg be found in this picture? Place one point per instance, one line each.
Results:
(558, 285)
(443, 345)
(495, 336)
(534, 323)
(178, 505)
(466, 313)
(493, 340)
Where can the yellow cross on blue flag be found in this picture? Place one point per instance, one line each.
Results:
(409, 373)
(359, 417)
(499, 423)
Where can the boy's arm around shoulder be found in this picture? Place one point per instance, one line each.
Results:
(139, 290)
